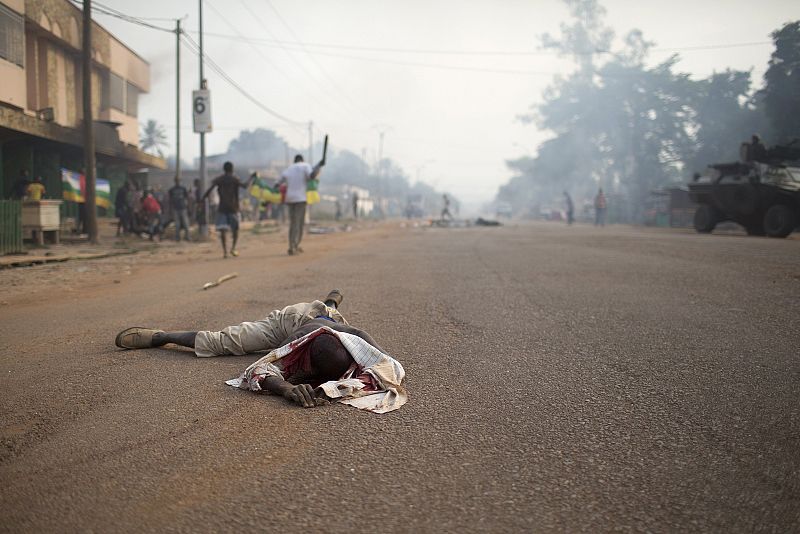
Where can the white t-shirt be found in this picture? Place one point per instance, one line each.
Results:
(296, 174)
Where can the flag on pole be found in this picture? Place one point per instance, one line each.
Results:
(102, 194)
(74, 189)
(264, 193)
(72, 185)
(312, 195)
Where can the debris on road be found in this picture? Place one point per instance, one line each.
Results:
(219, 280)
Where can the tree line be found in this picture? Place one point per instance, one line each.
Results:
(631, 129)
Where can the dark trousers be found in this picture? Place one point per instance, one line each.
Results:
(297, 218)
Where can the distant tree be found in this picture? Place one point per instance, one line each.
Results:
(345, 167)
(630, 128)
(781, 93)
(724, 117)
(153, 138)
(257, 148)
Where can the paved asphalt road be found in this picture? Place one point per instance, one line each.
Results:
(560, 379)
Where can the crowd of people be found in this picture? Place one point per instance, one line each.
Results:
(149, 211)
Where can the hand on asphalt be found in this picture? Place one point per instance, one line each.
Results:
(303, 394)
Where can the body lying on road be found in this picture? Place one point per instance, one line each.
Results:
(314, 356)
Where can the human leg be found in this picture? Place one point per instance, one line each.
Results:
(178, 225)
(184, 216)
(234, 223)
(293, 226)
(184, 339)
(301, 221)
(334, 299)
(223, 240)
(247, 337)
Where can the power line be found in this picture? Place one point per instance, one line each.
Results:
(195, 48)
(260, 52)
(358, 48)
(333, 83)
(109, 11)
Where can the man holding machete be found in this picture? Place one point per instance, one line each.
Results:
(296, 177)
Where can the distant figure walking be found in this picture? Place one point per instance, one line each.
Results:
(446, 210)
(179, 203)
(600, 208)
(355, 205)
(296, 177)
(570, 208)
(227, 186)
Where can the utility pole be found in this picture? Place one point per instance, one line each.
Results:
(310, 142)
(203, 180)
(178, 98)
(90, 213)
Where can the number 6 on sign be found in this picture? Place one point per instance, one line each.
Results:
(201, 110)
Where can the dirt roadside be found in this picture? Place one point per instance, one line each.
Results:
(79, 269)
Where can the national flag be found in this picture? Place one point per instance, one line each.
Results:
(74, 189)
(312, 195)
(71, 183)
(102, 197)
(264, 193)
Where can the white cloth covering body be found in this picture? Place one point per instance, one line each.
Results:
(385, 371)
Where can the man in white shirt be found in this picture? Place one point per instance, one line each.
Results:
(296, 177)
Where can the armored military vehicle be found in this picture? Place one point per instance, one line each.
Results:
(763, 196)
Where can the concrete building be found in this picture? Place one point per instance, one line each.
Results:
(41, 112)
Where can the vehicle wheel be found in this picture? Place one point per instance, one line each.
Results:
(779, 221)
(705, 219)
(744, 199)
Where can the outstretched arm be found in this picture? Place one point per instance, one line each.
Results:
(316, 169)
(208, 191)
(302, 394)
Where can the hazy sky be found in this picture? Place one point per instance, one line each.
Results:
(419, 69)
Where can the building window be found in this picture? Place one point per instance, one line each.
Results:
(131, 100)
(12, 36)
(116, 92)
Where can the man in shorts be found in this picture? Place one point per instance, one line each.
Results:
(314, 356)
(227, 185)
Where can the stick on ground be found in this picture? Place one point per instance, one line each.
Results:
(220, 280)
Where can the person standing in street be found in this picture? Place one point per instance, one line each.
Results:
(446, 210)
(296, 177)
(227, 186)
(600, 208)
(179, 202)
(570, 208)
(355, 205)
(121, 209)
